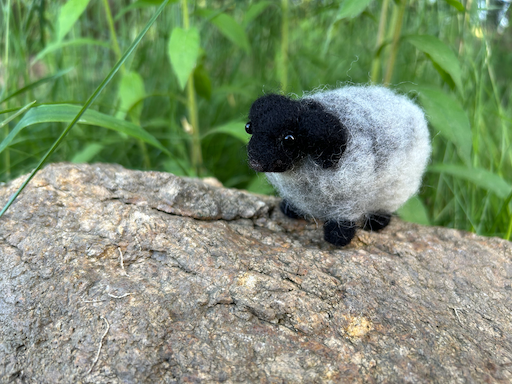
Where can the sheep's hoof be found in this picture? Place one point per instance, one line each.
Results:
(289, 210)
(339, 233)
(376, 221)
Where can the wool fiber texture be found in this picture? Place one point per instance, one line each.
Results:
(386, 153)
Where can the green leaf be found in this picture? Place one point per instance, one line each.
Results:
(69, 43)
(131, 91)
(254, 10)
(183, 50)
(88, 153)
(444, 75)
(64, 113)
(414, 211)
(233, 128)
(480, 177)
(457, 5)
(232, 31)
(447, 116)
(440, 53)
(352, 8)
(68, 15)
(202, 83)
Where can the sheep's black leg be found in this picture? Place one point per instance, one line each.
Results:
(376, 221)
(289, 210)
(339, 233)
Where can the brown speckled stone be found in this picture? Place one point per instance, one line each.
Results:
(219, 286)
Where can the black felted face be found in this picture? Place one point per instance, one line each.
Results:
(284, 131)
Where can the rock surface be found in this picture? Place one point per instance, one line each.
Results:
(119, 276)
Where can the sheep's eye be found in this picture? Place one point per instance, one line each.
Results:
(248, 128)
(288, 140)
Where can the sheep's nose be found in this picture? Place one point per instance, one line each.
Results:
(254, 164)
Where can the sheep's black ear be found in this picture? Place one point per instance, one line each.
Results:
(325, 135)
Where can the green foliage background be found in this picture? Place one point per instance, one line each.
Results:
(180, 101)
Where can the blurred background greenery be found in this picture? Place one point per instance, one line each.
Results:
(180, 101)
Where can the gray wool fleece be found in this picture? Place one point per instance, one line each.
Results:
(387, 151)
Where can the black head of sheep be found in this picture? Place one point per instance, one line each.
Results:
(284, 131)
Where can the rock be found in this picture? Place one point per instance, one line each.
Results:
(117, 276)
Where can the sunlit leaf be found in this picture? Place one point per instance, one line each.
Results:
(447, 116)
(64, 113)
(352, 8)
(131, 91)
(183, 50)
(232, 30)
(480, 177)
(233, 128)
(414, 211)
(68, 15)
(88, 153)
(440, 53)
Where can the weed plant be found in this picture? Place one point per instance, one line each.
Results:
(179, 102)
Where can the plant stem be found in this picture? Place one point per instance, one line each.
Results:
(7, 156)
(196, 153)
(396, 41)
(379, 42)
(284, 46)
(112, 30)
(504, 131)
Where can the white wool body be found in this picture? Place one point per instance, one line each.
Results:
(386, 154)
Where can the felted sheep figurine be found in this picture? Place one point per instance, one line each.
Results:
(349, 156)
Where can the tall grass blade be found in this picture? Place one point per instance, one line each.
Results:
(10, 118)
(480, 177)
(87, 104)
(37, 83)
(140, 4)
(68, 43)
